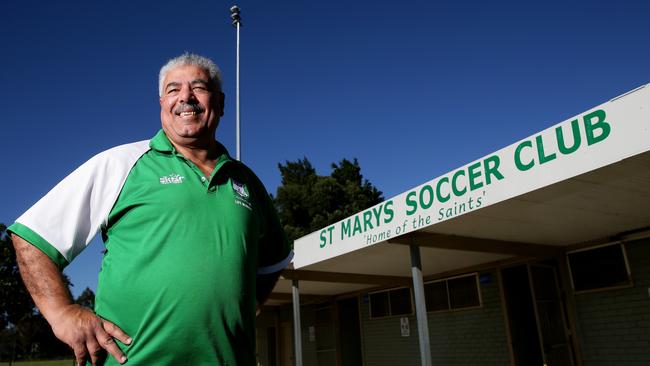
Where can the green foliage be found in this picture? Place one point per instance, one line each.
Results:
(307, 202)
(24, 333)
(15, 302)
(86, 299)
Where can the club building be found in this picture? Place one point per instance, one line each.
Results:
(537, 254)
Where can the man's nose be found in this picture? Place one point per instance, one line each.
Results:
(187, 95)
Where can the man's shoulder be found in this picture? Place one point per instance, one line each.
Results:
(243, 172)
(125, 151)
(246, 170)
(117, 158)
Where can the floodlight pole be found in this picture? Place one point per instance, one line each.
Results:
(236, 22)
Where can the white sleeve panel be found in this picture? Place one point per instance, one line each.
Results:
(70, 215)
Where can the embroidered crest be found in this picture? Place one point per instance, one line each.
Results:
(240, 188)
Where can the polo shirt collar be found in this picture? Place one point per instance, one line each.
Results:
(161, 143)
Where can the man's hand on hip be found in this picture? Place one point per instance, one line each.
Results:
(88, 335)
(79, 327)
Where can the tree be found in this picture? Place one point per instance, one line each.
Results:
(307, 202)
(24, 333)
(86, 299)
(15, 301)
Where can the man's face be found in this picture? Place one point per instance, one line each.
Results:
(190, 107)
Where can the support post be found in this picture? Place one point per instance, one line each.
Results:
(297, 338)
(238, 111)
(235, 15)
(420, 306)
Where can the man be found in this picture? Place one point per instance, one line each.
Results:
(193, 243)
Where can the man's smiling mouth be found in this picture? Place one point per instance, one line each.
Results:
(188, 110)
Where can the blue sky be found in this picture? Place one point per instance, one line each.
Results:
(411, 89)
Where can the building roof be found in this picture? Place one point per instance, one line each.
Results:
(582, 181)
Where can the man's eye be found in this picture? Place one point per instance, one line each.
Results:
(172, 91)
(200, 88)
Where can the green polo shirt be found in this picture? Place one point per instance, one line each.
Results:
(182, 254)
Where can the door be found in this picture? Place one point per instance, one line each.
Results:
(349, 332)
(536, 316)
(524, 336)
(550, 314)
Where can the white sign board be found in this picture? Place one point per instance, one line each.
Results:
(598, 137)
(312, 333)
(404, 326)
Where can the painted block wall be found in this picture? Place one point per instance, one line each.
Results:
(614, 325)
(473, 336)
(382, 343)
(467, 337)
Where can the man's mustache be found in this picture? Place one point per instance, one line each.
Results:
(187, 107)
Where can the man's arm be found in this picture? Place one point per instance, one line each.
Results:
(80, 328)
(265, 284)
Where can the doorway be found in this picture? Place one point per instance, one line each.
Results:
(349, 331)
(537, 320)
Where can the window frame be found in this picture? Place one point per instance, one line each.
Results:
(626, 261)
(450, 309)
(390, 310)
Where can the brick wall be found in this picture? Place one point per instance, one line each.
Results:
(467, 337)
(614, 325)
(471, 337)
(382, 342)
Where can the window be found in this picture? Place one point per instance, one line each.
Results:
(436, 296)
(599, 268)
(463, 292)
(379, 305)
(452, 293)
(391, 302)
(400, 301)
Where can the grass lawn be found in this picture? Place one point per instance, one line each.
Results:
(40, 363)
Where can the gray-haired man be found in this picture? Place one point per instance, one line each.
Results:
(193, 241)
